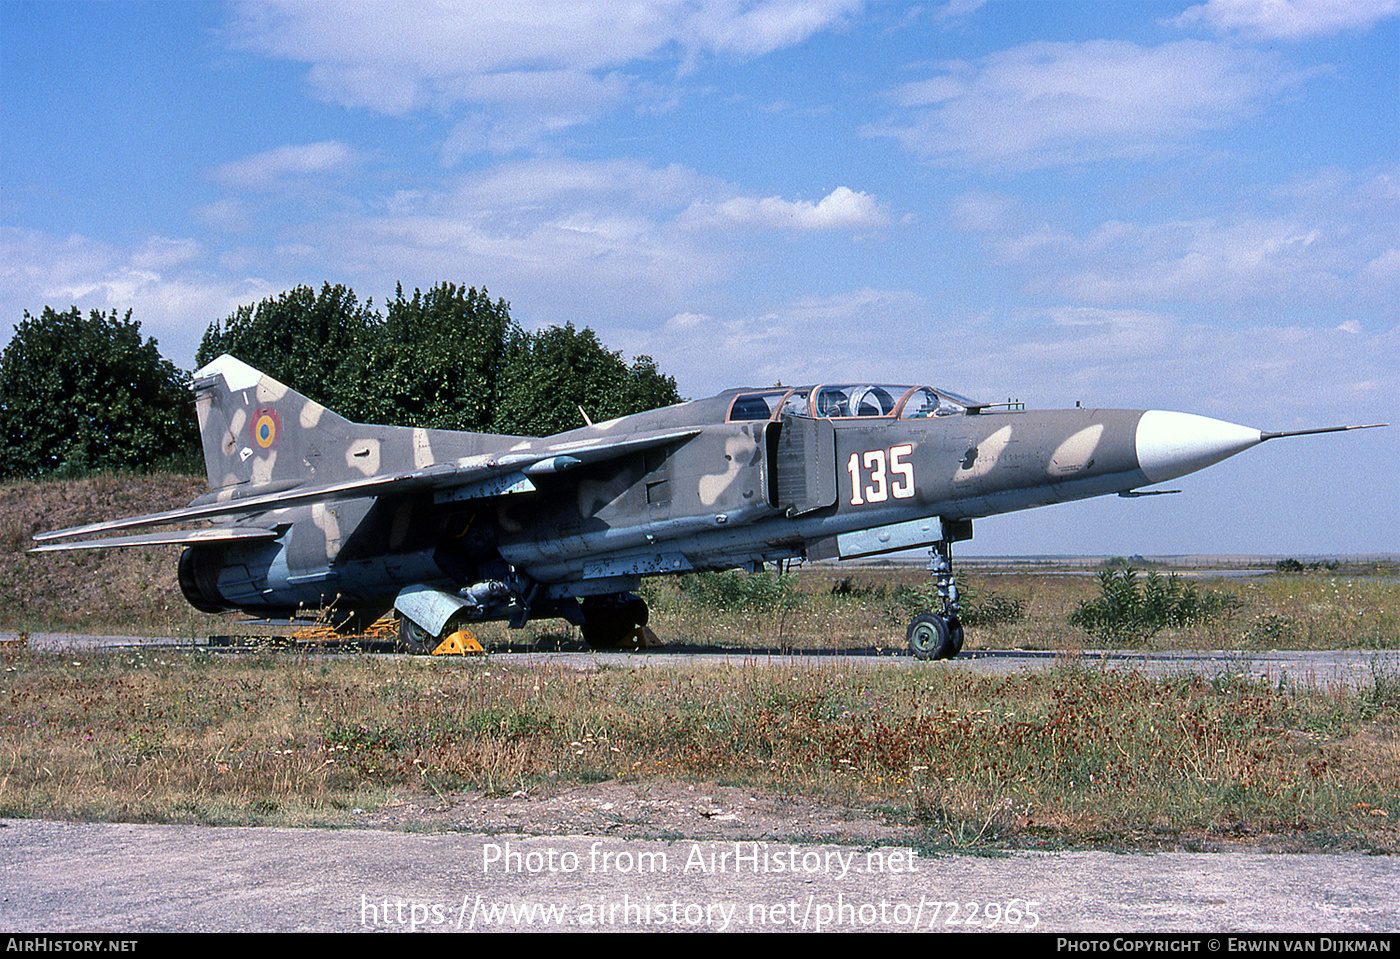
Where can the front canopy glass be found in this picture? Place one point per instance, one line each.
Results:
(849, 400)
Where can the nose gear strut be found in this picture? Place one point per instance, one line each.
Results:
(940, 635)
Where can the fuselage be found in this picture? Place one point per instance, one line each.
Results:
(743, 478)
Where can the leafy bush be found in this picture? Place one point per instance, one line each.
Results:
(993, 609)
(1273, 630)
(1291, 565)
(85, 394)
(1384, 691)
(978, 609)
(735, 589)
(1126, 610)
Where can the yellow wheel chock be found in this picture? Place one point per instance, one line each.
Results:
(459, 644)
(643, 638)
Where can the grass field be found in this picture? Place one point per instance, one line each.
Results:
(1064, 757)
(1032, 611)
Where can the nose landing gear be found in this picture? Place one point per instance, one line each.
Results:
(940, 635)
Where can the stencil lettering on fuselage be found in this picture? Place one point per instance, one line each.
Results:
(422, 449)
(1076, 453)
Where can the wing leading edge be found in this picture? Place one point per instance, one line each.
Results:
(179, 537)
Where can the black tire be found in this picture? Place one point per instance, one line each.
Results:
(414, 638)
(609, 622)
(637, 610)
(931, 637)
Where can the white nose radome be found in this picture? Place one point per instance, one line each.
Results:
(1174, 444)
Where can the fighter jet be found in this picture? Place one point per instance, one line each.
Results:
(450, 528)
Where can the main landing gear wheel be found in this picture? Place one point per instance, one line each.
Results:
(414, 638)
(611, 622)
(932, 636)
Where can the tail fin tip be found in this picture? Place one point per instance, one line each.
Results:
(237, 374)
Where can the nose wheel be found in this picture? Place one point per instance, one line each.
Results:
(934, 636)
(940, 635)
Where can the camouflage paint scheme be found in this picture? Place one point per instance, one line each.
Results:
(452, 527)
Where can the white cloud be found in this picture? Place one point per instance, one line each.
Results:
(158, 279)
(577, 235)
(560, 184)
(1385, 269)
(585, 233)
(958, 9)
(982, 211)
(513, 111)
(842, 208)
(687, 321)
(225, 215)
(162, 253)
(376, 54)
(264, 170)
(753, 29)
(1289, 19)
(863, 333)
(1204, 260)
(1049, 104)
(1311, 248)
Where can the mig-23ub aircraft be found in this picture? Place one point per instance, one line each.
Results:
(452, 528)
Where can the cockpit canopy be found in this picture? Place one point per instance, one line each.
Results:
(841, 401)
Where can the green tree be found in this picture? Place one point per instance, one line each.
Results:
(450, 358)
(435, 361)
(550, 374)
(308, 340)
(81, 394)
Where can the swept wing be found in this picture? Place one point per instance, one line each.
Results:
(455, 479)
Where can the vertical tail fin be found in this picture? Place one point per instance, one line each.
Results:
(257, 431)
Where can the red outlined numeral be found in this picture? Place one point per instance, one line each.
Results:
(904, 490)
(879, 466)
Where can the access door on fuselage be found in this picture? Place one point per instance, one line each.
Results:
(802, 463)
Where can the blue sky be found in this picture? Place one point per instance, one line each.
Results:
(1128, 204)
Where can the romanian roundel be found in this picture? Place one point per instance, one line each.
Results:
(265, 427)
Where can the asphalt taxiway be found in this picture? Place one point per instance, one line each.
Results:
(1349, 668)
(122, 877)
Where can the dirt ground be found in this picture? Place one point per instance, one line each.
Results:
(643, 810)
